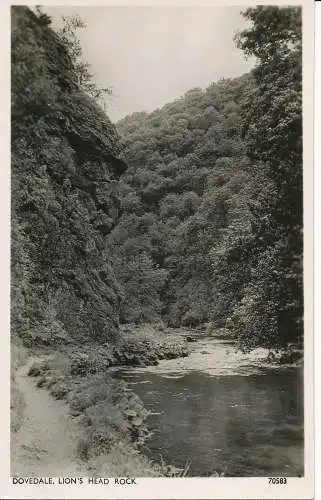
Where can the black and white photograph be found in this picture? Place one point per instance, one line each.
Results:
(157, 279)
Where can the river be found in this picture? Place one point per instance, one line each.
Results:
(229, 413)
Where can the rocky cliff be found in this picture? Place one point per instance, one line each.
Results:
(64, 185)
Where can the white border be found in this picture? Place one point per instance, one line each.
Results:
(317, 248)
(189, 488)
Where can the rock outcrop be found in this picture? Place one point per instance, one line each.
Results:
(64, 182)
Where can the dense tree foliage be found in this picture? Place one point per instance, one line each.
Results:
(184, 190)
(271, 312)
(211, 226)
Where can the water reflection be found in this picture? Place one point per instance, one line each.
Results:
(243, 425)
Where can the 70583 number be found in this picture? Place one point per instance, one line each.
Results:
(277, 480)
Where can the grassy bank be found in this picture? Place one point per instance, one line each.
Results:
(112, 416)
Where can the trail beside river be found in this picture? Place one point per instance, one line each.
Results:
(46, 442)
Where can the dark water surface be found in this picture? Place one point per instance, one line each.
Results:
(227, 412)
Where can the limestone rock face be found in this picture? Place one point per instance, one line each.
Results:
(64, 182)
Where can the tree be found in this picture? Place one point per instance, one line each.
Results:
(68, 36)
(70, 40)
(271, 312)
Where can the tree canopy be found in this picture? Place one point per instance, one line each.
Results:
(212, 200)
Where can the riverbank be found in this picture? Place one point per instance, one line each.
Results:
(292, 354)
(104, 394)
(136, 346)
(110, 417)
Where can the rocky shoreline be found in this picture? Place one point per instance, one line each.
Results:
(141, 348)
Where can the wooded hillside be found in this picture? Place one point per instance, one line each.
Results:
(211, 225)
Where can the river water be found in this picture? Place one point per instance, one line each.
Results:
(227, 412)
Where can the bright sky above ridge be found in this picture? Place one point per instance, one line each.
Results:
(153, 55)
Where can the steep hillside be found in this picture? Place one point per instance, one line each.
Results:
(187, 181)
(65, 172)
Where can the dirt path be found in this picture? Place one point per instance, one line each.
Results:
(46, 442)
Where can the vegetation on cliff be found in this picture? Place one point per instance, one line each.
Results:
(65, 168)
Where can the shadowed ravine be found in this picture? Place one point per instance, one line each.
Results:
(236, 415)
(145, 242)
